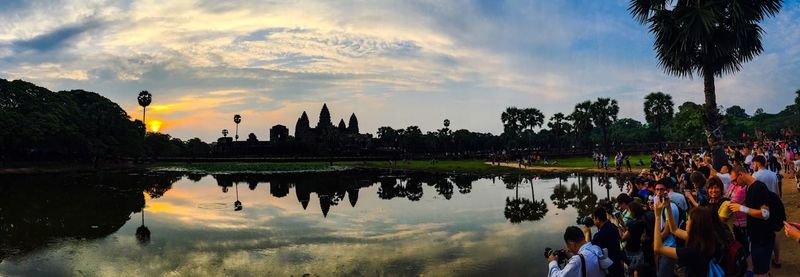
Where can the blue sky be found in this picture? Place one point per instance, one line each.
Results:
(395, 63)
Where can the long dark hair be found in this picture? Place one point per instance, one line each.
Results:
(702, 232)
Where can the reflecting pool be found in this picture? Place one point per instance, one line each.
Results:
(349, 223)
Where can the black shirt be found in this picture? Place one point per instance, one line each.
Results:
(607, 237)
(635, 230)
(695, 261)
(758, 229)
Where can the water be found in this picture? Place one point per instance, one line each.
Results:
(354, 223)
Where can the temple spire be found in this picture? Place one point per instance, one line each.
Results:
(324, 117)
(353, 126)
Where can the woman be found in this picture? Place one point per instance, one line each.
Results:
(718, 203)
(632, 236)
(702, 243)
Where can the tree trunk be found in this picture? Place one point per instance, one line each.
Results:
(712, 123)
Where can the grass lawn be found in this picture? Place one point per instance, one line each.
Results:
(463, 166)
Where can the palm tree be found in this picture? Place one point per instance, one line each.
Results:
(225, 133)
(707, 38)
(658, 110)
(512, 120)
(559, 127)
(237, 119)
(532, 118)
(581, 119)
(144, 100)
(604, 113)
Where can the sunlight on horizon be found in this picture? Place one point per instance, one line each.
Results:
(155, 125)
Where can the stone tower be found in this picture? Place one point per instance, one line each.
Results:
(324, 118)
(353, 126)
(302, 128)
(342, 127)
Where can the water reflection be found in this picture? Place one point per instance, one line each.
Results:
(460, 214)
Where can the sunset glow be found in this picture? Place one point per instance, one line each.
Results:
(155, 125)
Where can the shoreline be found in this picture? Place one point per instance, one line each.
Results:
(564, 169)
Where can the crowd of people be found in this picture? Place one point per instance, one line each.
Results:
(685, 217)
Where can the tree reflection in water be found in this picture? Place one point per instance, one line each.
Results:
(34, 214)
(521, 209)
(36, 210)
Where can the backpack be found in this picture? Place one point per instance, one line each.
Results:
(714, 270)
(777, 212)
(736, 259)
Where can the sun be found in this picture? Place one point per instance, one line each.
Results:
(155, 125)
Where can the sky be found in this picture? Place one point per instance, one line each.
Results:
(392, 63)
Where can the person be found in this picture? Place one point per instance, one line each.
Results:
(764, 175)
(703, 246)
(697, 197)
(725, 176)
(762, 238)
(632, 236)
(623, 200)
(607, 237)
(718, 203)
(770, 179)
(587, 259)
(666, 264)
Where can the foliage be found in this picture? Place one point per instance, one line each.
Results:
(38, 124)
(658, 109)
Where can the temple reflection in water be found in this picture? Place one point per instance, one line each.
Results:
(36, 211)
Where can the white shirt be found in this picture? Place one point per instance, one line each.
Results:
(726, 180)
(573, 268)
(749, 161)
(768, 178)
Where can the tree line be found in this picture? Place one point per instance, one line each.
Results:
(80, 126)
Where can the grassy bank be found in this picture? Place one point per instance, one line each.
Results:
(465, 166)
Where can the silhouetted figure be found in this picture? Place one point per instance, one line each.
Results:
(237, 206)
(143, 233)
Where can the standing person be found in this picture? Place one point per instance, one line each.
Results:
(628, 163)
(762, 239)
(761, 173)
(633, 237)
(724, 175)
(697, 197)
(666, 264)
(607, 237)
(703, 245)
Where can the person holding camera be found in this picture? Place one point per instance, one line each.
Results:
(666, 264)
(704, 248)
(607, 237)
(587, 260)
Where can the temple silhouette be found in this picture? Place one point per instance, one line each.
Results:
(324, 138)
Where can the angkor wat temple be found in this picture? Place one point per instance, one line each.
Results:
(323, 139)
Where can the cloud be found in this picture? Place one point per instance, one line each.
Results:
(56, 39)
(462, 60)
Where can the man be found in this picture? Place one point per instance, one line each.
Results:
(725, 176)
(762, 239)
(675, 197)
(748, 158)
(586, 257)
(769, 178)
(607, 237)
(666, 266)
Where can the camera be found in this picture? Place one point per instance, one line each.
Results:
(585, 221)
(561, 255)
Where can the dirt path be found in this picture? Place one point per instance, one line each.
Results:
(558, 169)
(790, 250)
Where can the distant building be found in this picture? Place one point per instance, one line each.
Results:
(324, 128)
(278, 133)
